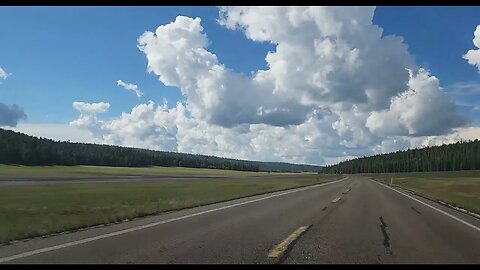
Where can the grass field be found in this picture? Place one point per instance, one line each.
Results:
(461, 189)
(28, 211)
(104, 170)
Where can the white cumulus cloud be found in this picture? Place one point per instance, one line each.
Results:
(473, 56)
(3, 74)
(130, 87)
(335, 88)
(88, 119)
(421, 110)
(177, 53)
(91, 108)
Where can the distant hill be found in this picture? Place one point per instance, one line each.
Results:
(21, 149)
(287, 167)
(447, 157)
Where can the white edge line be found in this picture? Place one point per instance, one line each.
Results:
(90, 239)
(433, 207)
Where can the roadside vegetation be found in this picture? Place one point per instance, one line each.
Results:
(460, 189)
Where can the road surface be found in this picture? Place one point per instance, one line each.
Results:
(355, 220)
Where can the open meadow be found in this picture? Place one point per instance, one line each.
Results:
(459, 188)
(34, 210)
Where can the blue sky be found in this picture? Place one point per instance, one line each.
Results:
(59, 55)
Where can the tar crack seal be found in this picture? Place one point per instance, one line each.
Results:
(386, 238)
(416, 211)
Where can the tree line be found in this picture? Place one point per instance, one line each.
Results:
(21, 149)
(463, 155)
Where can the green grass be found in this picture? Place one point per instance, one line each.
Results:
(460, 188)
(104, 170)
(28, 211)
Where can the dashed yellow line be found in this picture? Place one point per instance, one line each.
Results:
(336, 200)
(278, 250)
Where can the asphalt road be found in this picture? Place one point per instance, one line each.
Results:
(355, 220)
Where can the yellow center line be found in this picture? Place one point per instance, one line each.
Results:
(336, 200)
(278, 250)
